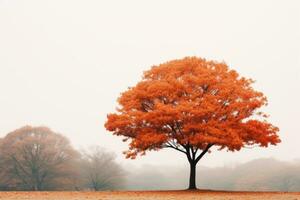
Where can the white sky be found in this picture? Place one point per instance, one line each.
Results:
(64, 63)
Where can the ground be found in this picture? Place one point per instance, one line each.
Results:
(153, 195)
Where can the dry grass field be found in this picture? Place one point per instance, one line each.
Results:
(153, 195)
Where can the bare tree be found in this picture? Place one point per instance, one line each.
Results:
(36, 158)
(100, 170)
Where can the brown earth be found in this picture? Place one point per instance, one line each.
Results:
(153, 195)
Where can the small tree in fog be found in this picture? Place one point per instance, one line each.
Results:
(36, 158)
(100, 170)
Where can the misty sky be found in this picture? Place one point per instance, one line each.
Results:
(64, 63)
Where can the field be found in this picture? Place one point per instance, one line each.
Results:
(153, 195)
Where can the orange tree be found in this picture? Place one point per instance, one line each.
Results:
(192, 105)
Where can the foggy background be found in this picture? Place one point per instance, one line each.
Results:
(63, 64)
(264, 174)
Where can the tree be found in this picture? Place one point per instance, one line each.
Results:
(36, 158)
(100, 171)
(191, 105)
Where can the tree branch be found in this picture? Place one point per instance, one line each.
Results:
(203, 152)
(188, 155)
(169, 145)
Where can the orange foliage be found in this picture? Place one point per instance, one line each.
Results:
(189, 105)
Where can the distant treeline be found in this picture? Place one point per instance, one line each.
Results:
(258, 175)
(36, 158)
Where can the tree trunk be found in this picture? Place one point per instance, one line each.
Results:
(192, 183)
(35, 188)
